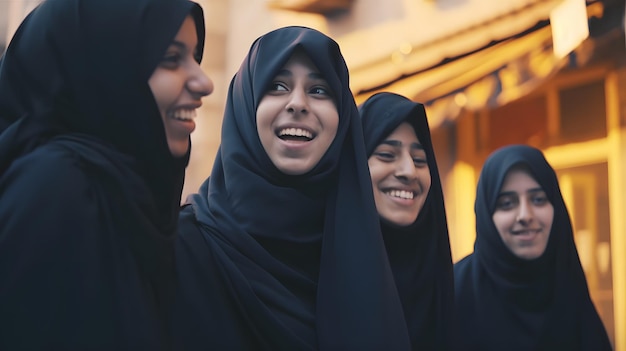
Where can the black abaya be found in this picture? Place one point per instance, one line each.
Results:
(268, 261)
(89, 191)
(419, 254)
(509, 303)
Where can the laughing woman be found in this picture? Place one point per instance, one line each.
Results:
(523, 288)
(409, 200)
(281, 249)
(94, 142)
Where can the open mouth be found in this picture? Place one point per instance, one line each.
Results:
(184, 115)
(295, 134)
(401, 194)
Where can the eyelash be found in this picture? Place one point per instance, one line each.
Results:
(508, 202)
(171, 60)
(317, 90)
(390, 157)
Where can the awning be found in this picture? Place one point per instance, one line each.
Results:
(492, 76)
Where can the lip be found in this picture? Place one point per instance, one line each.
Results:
(398, 200)
(189, 125)
(295, 126)
(295, 145)
(526, 234)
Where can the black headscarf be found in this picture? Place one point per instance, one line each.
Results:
(509, 303)
(419, 253)
(278, 262)
(89, 191)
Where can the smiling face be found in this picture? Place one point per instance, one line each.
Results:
(400, 176)
(178, 84)
(523, 215)
(297, 118)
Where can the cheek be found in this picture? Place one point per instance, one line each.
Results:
(263, 123)
(548, 217)
(501, 222)
(333, 122)
(376, 171)
(426, 179)
(166, 89)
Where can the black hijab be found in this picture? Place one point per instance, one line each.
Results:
(508, 303)
(85, 168)
(419, 254)
(276, 262)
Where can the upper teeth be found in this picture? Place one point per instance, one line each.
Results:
(296, 132)
(184, 114)
(401, 194)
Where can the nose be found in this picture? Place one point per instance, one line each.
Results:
(525, 213)
(405, 167)
(199, 84)
(298, 102)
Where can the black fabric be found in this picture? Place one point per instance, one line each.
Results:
(508, 303)
(419, 254)
(89, 191)
(269, 261)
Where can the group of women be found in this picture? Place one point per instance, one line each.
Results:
(321, 227)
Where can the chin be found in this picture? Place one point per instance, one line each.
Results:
(399, 222)
(294, 170)
(179, 150)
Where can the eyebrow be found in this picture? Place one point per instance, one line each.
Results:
(532, 190)
(397, 143)
(312, 75)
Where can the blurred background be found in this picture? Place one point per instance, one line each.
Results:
(549, 73)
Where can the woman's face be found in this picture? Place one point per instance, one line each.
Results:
(178, 84)
(297, 118)
(400, 176)
(523, 215)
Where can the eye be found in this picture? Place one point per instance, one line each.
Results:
(320, 90)
(539, 199)
(171, 60)
(420, 160)
(277, 86)
(385, 156)
(506, 202)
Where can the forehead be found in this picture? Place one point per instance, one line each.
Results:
(187, 31)
(404, 132)
(299, 59)
(519, 179)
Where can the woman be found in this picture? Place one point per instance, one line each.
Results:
(93, 150)
(523, 288)
(280, 249)
(409, 200)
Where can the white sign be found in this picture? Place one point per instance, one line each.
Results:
(570, 26)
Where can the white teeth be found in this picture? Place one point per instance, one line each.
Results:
(403, 194)
(296, 132)
(184, 114)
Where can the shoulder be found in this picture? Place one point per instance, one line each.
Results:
(463, 270)
(464, 262)
(47, 183)
(48, 168)
(190, 239)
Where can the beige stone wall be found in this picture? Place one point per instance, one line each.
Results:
(206, 138)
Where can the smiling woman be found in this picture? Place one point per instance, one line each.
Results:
(524, 288)
(297, 118)
(92, 160)
(178, 84)
(409, 200)
(281, 249)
